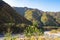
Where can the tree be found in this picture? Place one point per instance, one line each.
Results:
(44, 19)
(9, 25)
(35, 23)
(28, 15)
(32, 31)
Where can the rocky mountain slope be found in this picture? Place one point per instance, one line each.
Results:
(9, 16)
(35, 14)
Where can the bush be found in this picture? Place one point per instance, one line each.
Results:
(32, 31)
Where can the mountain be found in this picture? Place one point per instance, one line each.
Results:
(36, 14)
(9, 15)
(21, 10)
(56, 15)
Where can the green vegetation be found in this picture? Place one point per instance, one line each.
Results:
(9, 18)
(31, 25)
(8, 36)
(44, 19)
(11, 21)
(32, 31)
(28, 15)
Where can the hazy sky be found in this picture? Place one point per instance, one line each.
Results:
(45, 5)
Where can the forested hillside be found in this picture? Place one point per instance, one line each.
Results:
(43, 18)
(9, 18)
(17, 18)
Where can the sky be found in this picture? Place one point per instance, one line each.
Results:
(44, 5)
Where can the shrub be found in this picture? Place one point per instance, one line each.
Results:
(32, 31)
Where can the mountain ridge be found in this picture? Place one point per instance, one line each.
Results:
(7, 8)
(36, 12)
(10, 18)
